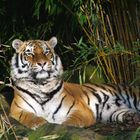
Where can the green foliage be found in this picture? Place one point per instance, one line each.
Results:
(2, 8)
(82, 30)
(52, 7)
(136, 135)
(5, 58)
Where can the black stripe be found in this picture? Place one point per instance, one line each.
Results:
(120, 93)
(22, 61)
(130, 91)
(97, 111)
(52, 93)
(27, 103)
(128, 97)
(57, 109)
(53, 61)
(133, 96)
(95, 94)
(106, 97)
(56, 63)
(71, 107)
(29, 93)
(17, 64)
(135, 101)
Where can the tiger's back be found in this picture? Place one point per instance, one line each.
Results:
(41, 95)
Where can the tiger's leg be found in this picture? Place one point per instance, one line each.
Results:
(79, 120)
(82, 116)
(125, 115)
(26, 118)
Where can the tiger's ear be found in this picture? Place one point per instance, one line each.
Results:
(16, 43)
(52, 42)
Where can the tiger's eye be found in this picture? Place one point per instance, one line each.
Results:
(46, 51)
(28, 53)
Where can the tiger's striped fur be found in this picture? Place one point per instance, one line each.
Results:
(42, 96)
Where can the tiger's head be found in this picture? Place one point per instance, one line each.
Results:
(35, 60)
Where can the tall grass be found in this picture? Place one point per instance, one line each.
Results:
(105, 25)
(111, 32)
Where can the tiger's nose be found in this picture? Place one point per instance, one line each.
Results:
(42, 64)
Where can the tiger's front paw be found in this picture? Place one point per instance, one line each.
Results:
(36, 122)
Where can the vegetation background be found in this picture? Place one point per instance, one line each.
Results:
(98, 41)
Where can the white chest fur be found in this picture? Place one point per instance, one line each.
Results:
(37, 102)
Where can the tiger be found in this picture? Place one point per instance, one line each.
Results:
(42, 96)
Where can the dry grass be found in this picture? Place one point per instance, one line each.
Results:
(6, 128)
